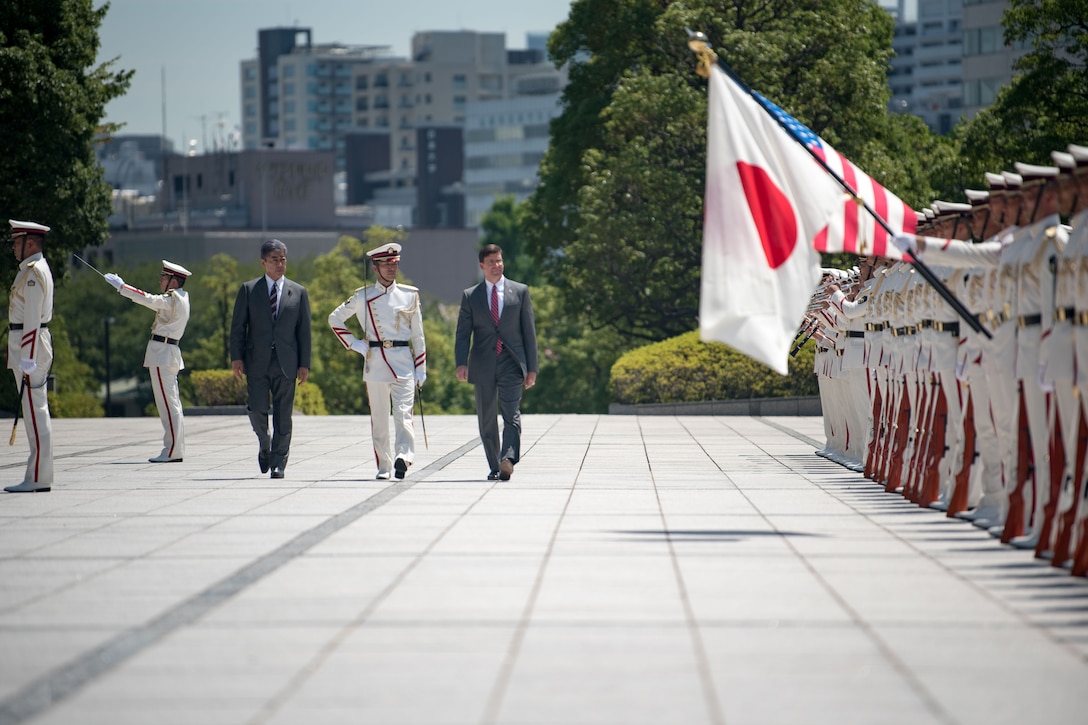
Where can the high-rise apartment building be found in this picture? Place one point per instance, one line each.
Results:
(987, 61)
(950, 58)
(297, 95)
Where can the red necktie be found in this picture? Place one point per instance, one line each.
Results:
(273, 299)
(495, 316)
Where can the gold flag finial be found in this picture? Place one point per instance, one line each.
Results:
(699, 45)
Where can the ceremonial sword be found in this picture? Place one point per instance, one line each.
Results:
(18, 410)
(422, 422)
(81, 259)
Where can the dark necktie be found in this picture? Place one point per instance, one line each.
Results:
(273, 300)
(495, 316)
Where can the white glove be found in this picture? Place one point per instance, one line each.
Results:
(360, 346)
(114, 280)
(1044, 385)
(421, 375)
(28, 366)
(905, 242)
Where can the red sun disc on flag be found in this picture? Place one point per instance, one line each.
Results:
(772, 213)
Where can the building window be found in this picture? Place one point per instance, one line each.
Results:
(459, 81)
(982, 41)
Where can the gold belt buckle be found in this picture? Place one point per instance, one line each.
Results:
(387, 344)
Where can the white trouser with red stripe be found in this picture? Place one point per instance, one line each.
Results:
(38, 426)
(391, 406)
(164, 382)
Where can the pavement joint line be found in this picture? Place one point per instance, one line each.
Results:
(43, 693)
(925, 697)
(711, 697)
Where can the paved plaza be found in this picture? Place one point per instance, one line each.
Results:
(635, 569)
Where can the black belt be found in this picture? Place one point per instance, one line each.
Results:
(1065, 313)
(952, 327)
(855, 333)
(1029, 320)
(389, 343)
(167, 340)
(19, 325)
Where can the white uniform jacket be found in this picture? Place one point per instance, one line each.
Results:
(171, 317)
(30, 305)
(390, 317)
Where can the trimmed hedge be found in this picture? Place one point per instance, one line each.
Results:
(685, 369)
(218, 387)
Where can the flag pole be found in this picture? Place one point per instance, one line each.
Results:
(699, 44)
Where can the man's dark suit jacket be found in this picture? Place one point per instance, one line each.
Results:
(517, 328)
(253, 331)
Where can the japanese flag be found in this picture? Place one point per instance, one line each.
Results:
(766, 201)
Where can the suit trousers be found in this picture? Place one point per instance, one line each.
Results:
(272, 390)
(505, 392)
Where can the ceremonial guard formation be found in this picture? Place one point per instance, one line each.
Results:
(395, 357)
(163, 355)
(30, 350)
(991, 428)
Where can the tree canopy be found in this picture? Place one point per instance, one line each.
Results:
(617, 217)
(52, 101)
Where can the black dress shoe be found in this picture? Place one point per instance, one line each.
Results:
(277, 471)
(400, 467)
(493, 476)
(262, 460)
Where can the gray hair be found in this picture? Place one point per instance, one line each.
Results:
(272, 245)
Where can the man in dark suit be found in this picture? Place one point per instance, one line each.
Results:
(270, 343)
(495, 350)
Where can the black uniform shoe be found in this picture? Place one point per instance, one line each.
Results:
(262, 460)
(277, 472)
(493, 476)
(400, 466)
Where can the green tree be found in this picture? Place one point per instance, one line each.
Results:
(575, 359)
(617, 217)
(212, 306)
(52, 100)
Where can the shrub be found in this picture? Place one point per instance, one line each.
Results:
(75, 405)
(217, 387)
(309, 400)
(685, 369)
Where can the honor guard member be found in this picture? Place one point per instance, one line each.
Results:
(395, 353)
(163, 356)
(30, 350)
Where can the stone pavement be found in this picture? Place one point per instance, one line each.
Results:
(647, 569)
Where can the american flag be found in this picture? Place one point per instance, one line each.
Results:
(854, 230)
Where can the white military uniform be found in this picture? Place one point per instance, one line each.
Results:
(396, 357)
(163, 358)
(30, 307)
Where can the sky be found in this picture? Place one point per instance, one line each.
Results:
(198, 45)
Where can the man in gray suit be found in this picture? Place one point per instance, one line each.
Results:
(270, 343)
(496, 319)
